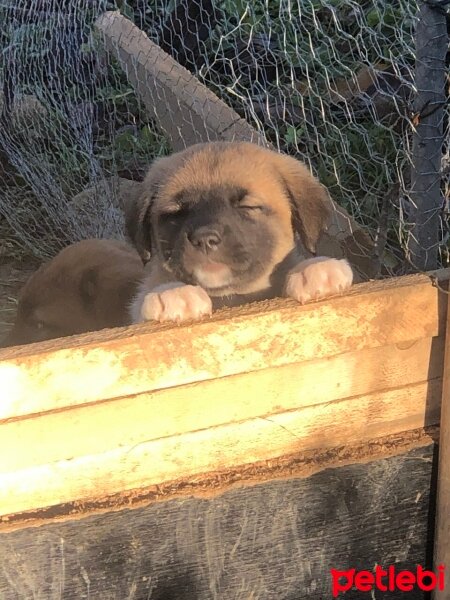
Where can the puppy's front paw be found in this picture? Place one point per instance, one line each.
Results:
(317, 278)
(177, 304)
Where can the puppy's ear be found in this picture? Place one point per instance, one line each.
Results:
(133, 207)
(88, 286)
(131, 212)
(138, 225)
(138, 208)
(310, 202)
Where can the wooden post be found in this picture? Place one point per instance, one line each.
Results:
(425, 193)
(442, 540)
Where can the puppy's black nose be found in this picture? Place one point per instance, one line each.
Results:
(205, 239)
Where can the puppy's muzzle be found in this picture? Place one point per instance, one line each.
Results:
(205, 239)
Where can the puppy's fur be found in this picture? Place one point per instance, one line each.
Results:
(227, 223)
(87, 286)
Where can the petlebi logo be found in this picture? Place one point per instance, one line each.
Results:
(387, 580)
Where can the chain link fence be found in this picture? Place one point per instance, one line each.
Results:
(331, 82)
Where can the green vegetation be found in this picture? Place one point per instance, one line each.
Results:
(328, 81)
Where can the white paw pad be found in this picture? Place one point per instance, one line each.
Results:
(177, 304)
(317, 278)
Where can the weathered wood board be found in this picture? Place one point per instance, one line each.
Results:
(255, 451)
(92, 416)
(274, 541)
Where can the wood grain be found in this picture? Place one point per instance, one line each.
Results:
(146, 358)
(64, 465)
(272, 541)
(174, 411)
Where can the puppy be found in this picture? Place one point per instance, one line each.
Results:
(228, 223)
(87, 286)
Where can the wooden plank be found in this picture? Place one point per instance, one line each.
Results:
(149, 416)
(144, 358)
(69, 474)
(442, 542)
(278, 539)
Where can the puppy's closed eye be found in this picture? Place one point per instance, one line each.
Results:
(250, 207)
(251, 204)
(44, 326)
(172, 209)
(174, 212)
(43, 330)
(29, 316)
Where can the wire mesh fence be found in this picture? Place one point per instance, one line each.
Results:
(331, 82)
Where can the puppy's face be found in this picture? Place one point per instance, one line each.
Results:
(225, 238)
(50, 307)
(227, 216)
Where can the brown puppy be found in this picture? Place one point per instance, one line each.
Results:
(86, 287)
(228, 223)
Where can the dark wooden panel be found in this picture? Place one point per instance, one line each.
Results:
(274, 541)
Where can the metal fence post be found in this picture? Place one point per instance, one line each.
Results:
(428, 114)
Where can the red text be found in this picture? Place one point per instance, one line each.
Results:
(387, 580)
